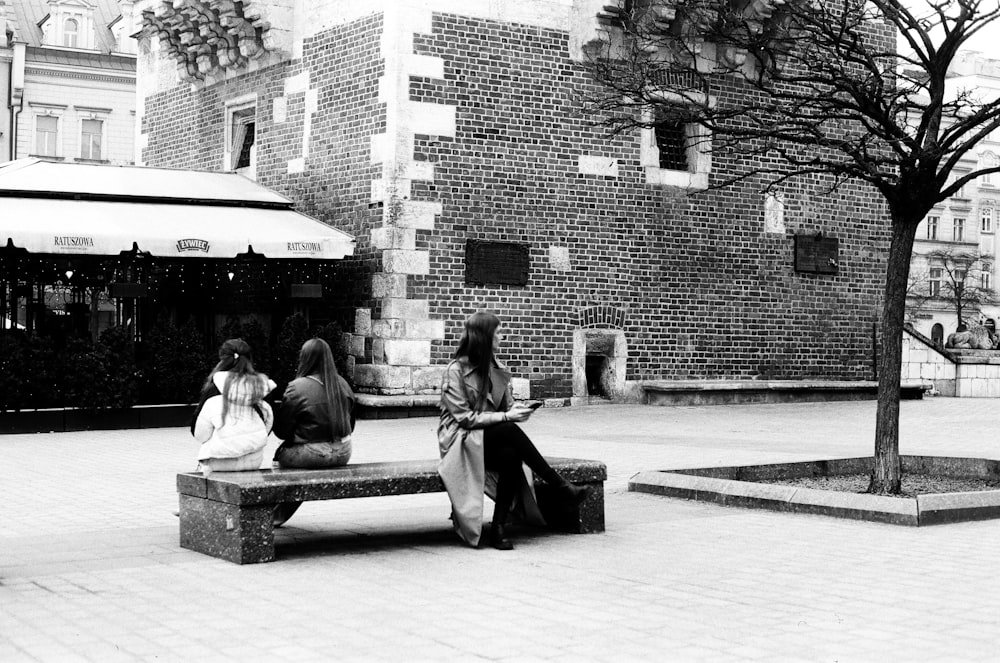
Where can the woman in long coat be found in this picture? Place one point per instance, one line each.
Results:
(483, 450)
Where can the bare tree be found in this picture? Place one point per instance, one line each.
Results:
(961, 285)
(808, 87)
(918, 296)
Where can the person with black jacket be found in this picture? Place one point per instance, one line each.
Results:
(316, 415)
(315, 419)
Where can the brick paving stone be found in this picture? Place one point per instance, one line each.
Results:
(90, 547)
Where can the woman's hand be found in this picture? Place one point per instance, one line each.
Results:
(519, 413)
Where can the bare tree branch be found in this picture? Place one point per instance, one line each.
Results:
(801, 88)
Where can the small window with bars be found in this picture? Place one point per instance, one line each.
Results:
(671, 143)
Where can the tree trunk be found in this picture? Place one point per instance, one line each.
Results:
(886, 473)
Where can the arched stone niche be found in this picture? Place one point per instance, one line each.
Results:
(599, 362)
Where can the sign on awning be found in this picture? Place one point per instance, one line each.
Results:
(94, 212)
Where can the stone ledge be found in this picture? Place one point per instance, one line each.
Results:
(711, 392)
(771, 385)
(405, 400)
(376, 406)
(720, 485)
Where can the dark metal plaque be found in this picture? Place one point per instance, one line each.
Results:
(819, 255)
(128, 290)
(496, 262)
(306, 291)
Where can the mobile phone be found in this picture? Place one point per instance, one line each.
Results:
(535, 405)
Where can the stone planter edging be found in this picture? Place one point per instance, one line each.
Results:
(737, 486)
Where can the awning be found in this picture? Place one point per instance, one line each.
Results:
(82, 209)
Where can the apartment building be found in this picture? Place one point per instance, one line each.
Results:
(954, 266)
(67, 80)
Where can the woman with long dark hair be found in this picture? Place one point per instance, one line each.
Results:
(482, 447)
(316, 415)
(233, 420)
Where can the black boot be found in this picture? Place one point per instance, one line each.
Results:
(284, 511)
(498, 538)
(573, 494)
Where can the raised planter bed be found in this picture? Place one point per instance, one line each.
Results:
(59, 420)
(746, 486)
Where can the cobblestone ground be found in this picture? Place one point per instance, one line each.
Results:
(90, 567)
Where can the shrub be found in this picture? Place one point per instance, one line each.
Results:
(254, 334)
(175, 364)
(294, 332)
(102, 375)
(14, 368)
(44, 372)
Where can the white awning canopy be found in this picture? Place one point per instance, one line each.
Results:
(83, 209)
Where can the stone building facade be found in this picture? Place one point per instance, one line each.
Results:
(67, 78)
(964, 225)
(447, 137)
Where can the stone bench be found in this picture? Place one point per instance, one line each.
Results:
(230, 514)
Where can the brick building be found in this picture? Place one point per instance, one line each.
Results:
(446, 137)
(67, 80)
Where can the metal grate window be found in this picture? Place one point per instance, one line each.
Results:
(672, 146)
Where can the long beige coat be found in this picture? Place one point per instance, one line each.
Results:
(460, 441)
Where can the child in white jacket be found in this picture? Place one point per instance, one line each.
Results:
(233, 420)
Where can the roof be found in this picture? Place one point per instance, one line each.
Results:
(75, 180)
(77, 58)
(29, 13)
(71, 208)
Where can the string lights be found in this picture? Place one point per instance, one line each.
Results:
(244, 284)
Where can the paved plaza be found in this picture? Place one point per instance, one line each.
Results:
(91, 570)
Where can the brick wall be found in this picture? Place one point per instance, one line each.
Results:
(706, 293)
(698, 287)
(184, 128)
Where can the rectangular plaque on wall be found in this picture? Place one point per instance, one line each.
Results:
(126, 290)
(496, 262)
(819, 255)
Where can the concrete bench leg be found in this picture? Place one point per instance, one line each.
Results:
(586, 518)
(244, 535)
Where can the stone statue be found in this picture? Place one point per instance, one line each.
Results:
(976, 337)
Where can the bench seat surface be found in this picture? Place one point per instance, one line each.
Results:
(273, 486)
